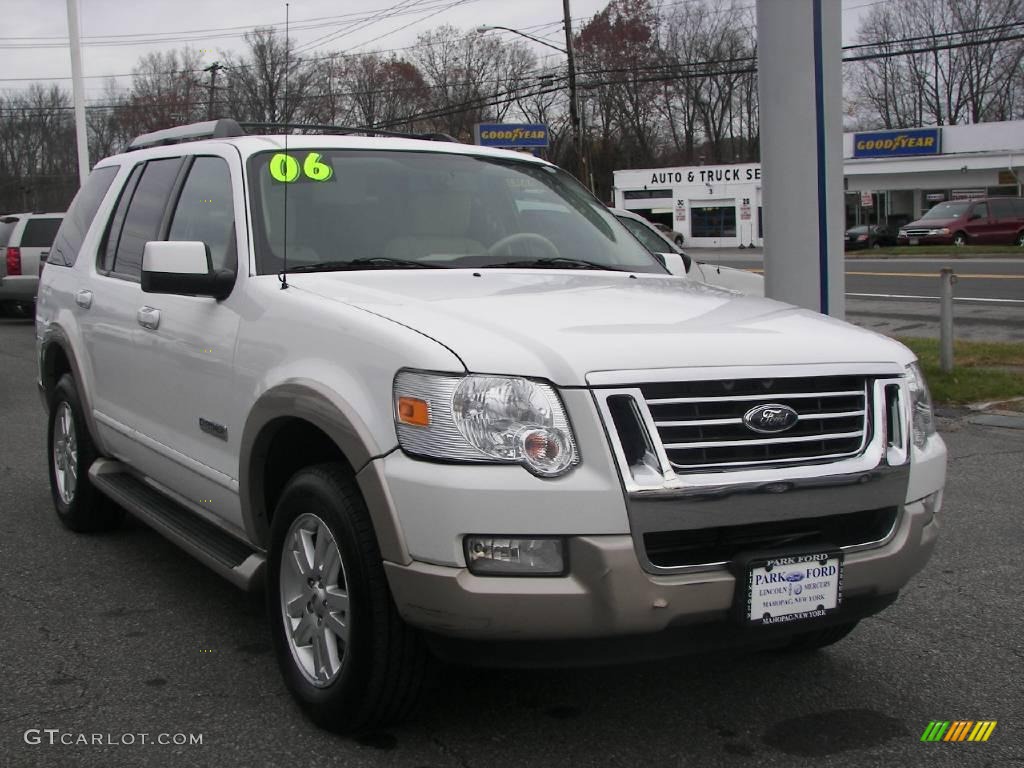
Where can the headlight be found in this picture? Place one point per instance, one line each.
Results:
(487, 419)
(939, 231)
(901, 233)
(922, 415)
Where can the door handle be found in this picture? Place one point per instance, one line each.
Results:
(148, 318)
(83, 299)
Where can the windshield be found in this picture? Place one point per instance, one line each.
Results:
(947, 211)
(398, 210)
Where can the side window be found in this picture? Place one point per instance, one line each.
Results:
(113, 236)
(80, 215)
(650, 241)
(206, 211)
(39, 233)
(981, 209)
(1018, 207)
(1002, 209)
(145, 214)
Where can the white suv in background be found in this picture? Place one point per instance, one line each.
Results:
(439, 401)
(25, 240)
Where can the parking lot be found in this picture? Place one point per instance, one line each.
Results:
(123, 634)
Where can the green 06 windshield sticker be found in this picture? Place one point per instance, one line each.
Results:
(286, 168)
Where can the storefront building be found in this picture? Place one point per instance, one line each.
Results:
(891, 177)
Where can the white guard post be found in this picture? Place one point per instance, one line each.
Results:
(800, 86)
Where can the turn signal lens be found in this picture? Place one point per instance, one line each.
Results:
(413, 411)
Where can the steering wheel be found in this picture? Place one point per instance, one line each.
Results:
(531, 237)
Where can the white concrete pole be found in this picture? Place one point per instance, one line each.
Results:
(800, 86)
(78, 91)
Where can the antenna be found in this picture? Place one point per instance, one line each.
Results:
(284, 266)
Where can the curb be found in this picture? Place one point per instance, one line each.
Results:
(986, 414)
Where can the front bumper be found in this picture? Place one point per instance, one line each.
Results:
(926, 240)
(608, 594)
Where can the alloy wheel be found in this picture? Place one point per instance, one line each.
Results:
(314, 600)
(65, 453)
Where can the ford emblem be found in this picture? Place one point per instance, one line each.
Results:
(771, 418)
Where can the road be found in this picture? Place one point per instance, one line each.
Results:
(124, 634)
(899, 296)
(995, 280)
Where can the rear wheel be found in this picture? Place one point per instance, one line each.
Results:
(960, 239)
(819, 638)
(70, 453)
(1020, 239)
(346, 655)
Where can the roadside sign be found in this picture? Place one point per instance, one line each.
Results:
(867, 200)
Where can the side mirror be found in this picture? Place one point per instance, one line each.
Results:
(677, 264)
(183, 268)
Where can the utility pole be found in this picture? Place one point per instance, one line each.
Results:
(213, 69)
(78, 91)
(574, 113)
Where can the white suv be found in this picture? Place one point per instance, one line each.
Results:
(440, 402)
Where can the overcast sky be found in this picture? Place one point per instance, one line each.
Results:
(41, 52)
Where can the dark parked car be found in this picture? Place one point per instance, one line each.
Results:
(988, 221)
(869, 236)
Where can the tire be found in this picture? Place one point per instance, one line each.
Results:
(960, 239)
(679, 240)
(819, 638)
(1020, 239)
(368, 666)
(70, 452)
(876, 245)
(20, 310)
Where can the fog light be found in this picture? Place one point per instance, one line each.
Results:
(502, 556)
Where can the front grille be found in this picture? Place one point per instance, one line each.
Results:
(669, 549)
(701, 425)
(917, 232)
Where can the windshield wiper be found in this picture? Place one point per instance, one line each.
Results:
(553, 263)
(371, 262)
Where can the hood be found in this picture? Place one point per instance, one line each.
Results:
(561, 325)
(929, 223)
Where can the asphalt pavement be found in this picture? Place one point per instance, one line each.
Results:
(106, 637)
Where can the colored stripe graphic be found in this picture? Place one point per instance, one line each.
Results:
(935, 730)
(958, 730)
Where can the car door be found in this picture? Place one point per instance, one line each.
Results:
(107, 306)
(1003, 228)
(977, 225)
(194, 415)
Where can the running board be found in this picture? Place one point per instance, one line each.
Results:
(234, 560)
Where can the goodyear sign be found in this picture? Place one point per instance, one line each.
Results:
(914, 141)
(515, 135)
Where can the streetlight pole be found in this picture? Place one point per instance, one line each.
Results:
(78, 91)
(574, 114)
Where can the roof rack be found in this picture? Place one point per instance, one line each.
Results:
(349, 130)
(211, 129)
(226, 127)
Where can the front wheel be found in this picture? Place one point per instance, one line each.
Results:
(346, 655)
(960, 239)
(1020, 239)
(70, 453)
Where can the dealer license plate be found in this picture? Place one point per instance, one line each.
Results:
(915, 241)
(794, 587)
